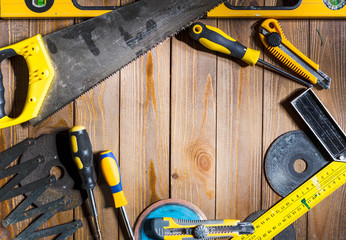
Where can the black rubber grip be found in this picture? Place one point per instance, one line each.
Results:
(236, 49)
(3, 55)
(81, 149)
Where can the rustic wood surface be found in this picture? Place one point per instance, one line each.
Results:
(187, 123)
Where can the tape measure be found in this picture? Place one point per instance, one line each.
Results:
(297, 203)
(301, 9)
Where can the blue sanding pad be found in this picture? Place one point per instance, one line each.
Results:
(166, 208)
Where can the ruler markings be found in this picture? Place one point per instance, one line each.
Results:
(297, 203)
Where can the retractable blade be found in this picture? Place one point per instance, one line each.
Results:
(168, 228)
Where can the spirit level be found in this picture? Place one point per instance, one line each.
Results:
(49, 8)
(302, 9)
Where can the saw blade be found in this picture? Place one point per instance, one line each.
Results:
(85, 54)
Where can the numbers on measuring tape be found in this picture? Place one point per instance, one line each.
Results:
(298, 202)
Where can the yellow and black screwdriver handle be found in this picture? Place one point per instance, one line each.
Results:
(41, 74)
(215, 39)
(82, 155)
(111, 172)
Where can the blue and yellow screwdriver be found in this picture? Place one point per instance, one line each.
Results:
(217, 40)
(111, 172)
(83, 157)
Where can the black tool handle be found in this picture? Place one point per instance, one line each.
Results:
(6, 53)
(217, 40)
(82, 155)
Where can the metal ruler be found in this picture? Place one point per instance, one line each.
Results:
(297, 203)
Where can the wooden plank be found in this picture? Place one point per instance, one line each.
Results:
(193, 122)
(144, 133)
(239, 129)
(6, 135)
(144, 129)
(327, 220)
(98, 111)
(17, 79)
(58, 122)
(276, 120)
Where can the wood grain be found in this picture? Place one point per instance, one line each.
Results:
(239, 129)
(327, 220)
(62, 120)
(193, 123)
(187, 123)
(144, 132)
(277, 120)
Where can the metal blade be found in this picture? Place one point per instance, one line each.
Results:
(85, 54)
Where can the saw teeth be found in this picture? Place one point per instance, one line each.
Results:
(35, 123)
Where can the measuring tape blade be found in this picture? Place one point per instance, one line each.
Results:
(297, 203)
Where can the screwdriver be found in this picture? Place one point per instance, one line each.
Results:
(215, 39)
(111, 172)
(83, 158)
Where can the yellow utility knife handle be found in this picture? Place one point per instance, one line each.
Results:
(41, 73)
(273, 26)
(215, 39)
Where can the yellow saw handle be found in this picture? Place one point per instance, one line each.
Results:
(41, 73)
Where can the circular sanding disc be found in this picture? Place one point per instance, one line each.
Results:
(175, 208)
(280, 159)
(288, 233)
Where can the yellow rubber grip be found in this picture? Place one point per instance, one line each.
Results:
(111, 172)
(272, 25)
(217, 40)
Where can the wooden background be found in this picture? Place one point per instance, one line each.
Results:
(187, 123)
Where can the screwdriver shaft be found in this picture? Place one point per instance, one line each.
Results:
(127, 223)
(306, 84)
(94, 212)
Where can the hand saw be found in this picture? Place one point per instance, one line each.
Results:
(300, 9)
(274, 39)
(320, 185)
(168, 228)
(65, 64)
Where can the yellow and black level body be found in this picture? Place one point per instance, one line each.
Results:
(215, 39)
(41, 74)
(298, 202)
(111, 172)
(49, 8)
(302, 9)
(71, 8)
